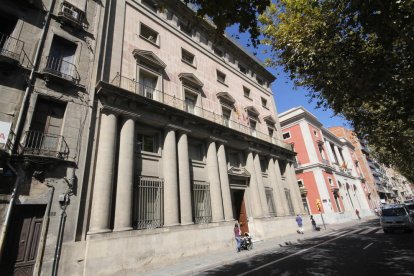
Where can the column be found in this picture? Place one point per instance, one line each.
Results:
(225, 185)
(169, 160)
(125, 183)
(294, 188)
(254, 192)
(104, 173)
(214, 179)
(274, 184)
(184, 180)
(260, 185)
(338, 155)
(283, 208)
(329, 150)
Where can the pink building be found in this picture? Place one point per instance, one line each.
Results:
(327, 170)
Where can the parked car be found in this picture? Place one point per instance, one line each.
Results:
(410, 207)
(396, 217)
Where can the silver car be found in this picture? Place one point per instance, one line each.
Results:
(396, 217)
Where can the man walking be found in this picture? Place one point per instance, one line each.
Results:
(300, 224)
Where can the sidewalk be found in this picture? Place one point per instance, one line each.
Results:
(197, 264)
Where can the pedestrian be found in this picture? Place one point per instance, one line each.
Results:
(313, 222)
(237, 234)
(300, 224)
(357, 213)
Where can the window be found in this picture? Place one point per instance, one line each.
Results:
(44, 136)
(260, 80)
(270, 131)
(195, 150)
(218, 51)
(252, 127)
(233, 159)
(71, 12)
(226, 116)
(185, 28)
(242, 69)
(246, 92)
(289, 201)
(148, 202)
(264, 103)
(300, 184)
(190, 102)
(263, 165)
(147, 143)
(201, 202)
(315, 133)
(149, 34)
(270, 201)
(286, 135)
(150, 4)
(187, 57)
(147, 84)
(221, 77)
(61, 58)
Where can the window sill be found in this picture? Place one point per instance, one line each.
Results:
(188, 63)
(247, 97)
(223, 83)
(149, 41)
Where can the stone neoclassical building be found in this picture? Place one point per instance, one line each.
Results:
(169, 133)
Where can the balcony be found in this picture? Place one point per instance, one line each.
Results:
(71, 16)
(59, 70)
(297, 164)
(171, 100)
(44, 145)
(12, 52)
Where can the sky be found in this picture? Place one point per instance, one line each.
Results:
(286, 96)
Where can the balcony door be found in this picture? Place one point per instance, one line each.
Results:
(7, 26)
(45, 129)
(62, 56)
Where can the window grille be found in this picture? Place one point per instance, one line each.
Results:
(289, 201)
(270, 202)
(149, 203)
(201, 202)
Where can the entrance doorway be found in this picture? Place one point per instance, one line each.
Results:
(22, 240)
(239, 209)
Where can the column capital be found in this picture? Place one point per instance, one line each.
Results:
(177, 128)
(216, 139)
(119, 112)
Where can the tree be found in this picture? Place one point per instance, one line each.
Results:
(225, 13)
(357, 57)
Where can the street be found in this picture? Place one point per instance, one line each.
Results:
(362, 249)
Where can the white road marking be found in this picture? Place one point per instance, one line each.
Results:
(367, 230)
(368, 246)
(297, 253)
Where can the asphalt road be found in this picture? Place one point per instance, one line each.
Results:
(363, 249)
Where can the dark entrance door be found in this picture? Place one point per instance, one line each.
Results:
(22, 240)
(239, 209)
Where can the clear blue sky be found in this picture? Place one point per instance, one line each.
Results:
(286, 96)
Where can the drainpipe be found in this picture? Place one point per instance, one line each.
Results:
(9, 209)
(64, 202)
(26, 98)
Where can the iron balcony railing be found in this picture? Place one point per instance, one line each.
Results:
(13, 48)
(61, 68)
(171, 100)
(45, 144)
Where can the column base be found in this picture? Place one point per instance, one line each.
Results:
(120, 229)
(98, 231)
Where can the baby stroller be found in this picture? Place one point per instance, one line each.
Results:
(246, 242)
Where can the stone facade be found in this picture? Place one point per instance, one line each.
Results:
(156, 137)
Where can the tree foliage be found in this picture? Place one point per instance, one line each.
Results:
(357, 57)
(225, 13)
